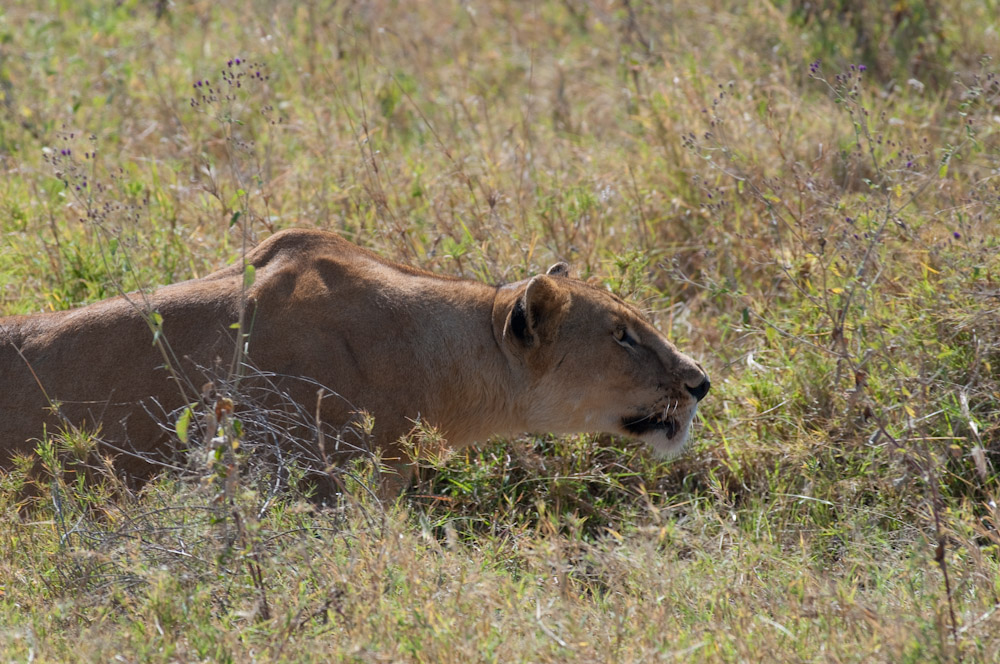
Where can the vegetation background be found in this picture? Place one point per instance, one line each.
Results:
(804, 196)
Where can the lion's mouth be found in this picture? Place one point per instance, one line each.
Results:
(643, 424)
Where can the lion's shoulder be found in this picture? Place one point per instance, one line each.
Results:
(302, 250)
(302, 244)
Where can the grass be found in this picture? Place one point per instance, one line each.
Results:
(822, 236)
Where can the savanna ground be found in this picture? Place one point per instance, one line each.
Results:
(804, 196)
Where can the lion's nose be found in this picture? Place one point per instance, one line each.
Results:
(700, 390)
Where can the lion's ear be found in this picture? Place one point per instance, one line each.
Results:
(536, 314)
(559, 269)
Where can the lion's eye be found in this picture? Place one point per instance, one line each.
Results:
(623, 337)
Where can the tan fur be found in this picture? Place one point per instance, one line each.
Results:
(471, 360)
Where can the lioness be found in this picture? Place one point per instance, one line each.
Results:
(547, 354)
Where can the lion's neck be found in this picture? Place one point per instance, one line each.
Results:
(477, 388)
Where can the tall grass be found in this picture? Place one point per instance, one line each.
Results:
(803, 196)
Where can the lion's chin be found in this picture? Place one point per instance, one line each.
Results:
(666, 435)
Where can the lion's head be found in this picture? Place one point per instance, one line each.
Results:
(592, 362)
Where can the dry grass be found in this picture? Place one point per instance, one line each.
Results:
(824, 239)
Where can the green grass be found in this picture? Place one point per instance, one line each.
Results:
(825, 241)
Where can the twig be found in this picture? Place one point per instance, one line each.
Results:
(545, 630)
